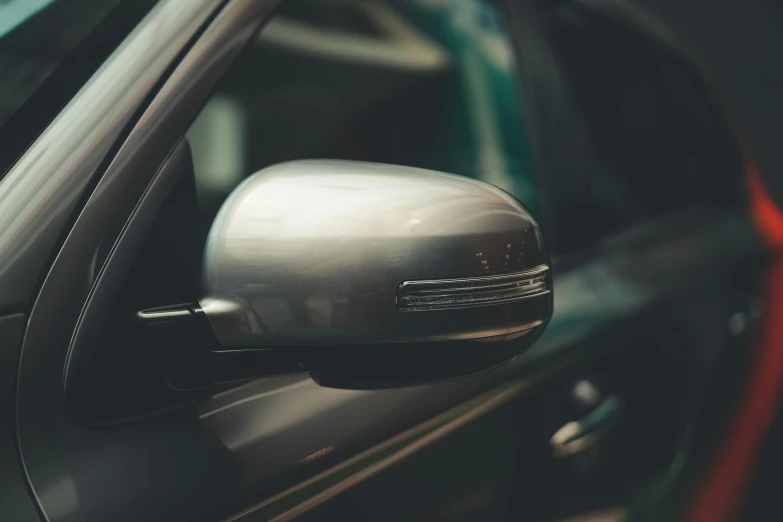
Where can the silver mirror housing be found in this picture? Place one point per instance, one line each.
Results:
(320, 256)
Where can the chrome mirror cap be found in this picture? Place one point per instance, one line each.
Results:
(335, 253)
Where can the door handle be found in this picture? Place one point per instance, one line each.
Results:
(577, 437)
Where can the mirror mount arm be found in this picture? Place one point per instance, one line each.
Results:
(192, 358)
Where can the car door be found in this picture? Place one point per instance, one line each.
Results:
(651, 261)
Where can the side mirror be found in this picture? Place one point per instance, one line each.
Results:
(375, 275)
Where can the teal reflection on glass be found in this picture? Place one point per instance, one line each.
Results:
(488, 112)
(15, 12)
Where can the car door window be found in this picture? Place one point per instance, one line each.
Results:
(48, 49)
(661, 144)
(409, 82)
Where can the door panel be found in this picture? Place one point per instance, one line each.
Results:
(650, 343)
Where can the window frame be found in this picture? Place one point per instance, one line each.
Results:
(68, 76)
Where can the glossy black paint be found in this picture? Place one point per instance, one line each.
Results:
(283, 446)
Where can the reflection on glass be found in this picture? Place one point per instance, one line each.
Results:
(419, 83)
(15, 12)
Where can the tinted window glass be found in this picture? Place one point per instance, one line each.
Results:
(662, 145)
(408, 82)
(48, 49)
